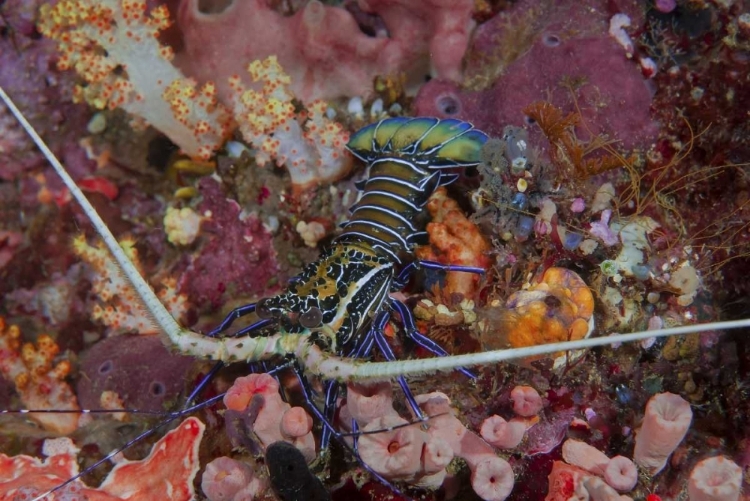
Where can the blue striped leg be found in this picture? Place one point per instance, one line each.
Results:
(377, 329)
(411, 332)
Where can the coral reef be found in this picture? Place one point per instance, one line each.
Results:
(454, 240)
(309, 144)
(114, 46)
(117, 304)
(265, 414)
(615, 189)
(560, 53)
(237, 257)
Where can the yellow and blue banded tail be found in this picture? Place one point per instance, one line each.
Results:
(405, 158)
(427, 142)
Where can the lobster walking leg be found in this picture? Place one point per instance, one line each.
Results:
(412, 333)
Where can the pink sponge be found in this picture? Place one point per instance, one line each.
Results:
(668, 417)
(324, 49)
(715, 479)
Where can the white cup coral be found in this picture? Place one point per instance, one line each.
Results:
(667, 420)
(715, 479)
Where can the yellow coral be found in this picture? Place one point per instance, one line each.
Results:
(39, 382)
(120, 308)
(308, 143)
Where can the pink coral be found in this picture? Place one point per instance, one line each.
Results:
(167, 473)
(276, 420)
(665, 424)
(394, 454)
(367, 402)
(492, 479)
(296, 423)
(501, 433)
(715, 479)
(322, 46)
(598, 490)
(621, 474)
(563, 481)
(39, 384)
(585, 456)
(226, 479)
(526, 401)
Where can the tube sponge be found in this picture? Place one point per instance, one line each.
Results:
(715, 479)
(668, 417)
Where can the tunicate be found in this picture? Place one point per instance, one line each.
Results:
(291, 478)
(641, 272)
(572, 240)
(448, 104)
(516, 142)
(520, 202)
(609, 268)
(624, 395)
(523, 227)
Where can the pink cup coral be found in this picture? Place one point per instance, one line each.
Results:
(501, 433)
(621, 474)
(492, 479)
(526, 401)
(226, 479)
(715, 479)
(276, 420)
(667, 420)
(394, 454)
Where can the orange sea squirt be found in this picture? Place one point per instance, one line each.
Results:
(557, 308)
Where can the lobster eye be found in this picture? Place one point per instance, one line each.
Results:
(311, 318)
(263, 310)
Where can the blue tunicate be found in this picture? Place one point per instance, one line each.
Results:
(572, 240)
(624, 395)
(520, 202)
(641, 272)
(523, 227)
